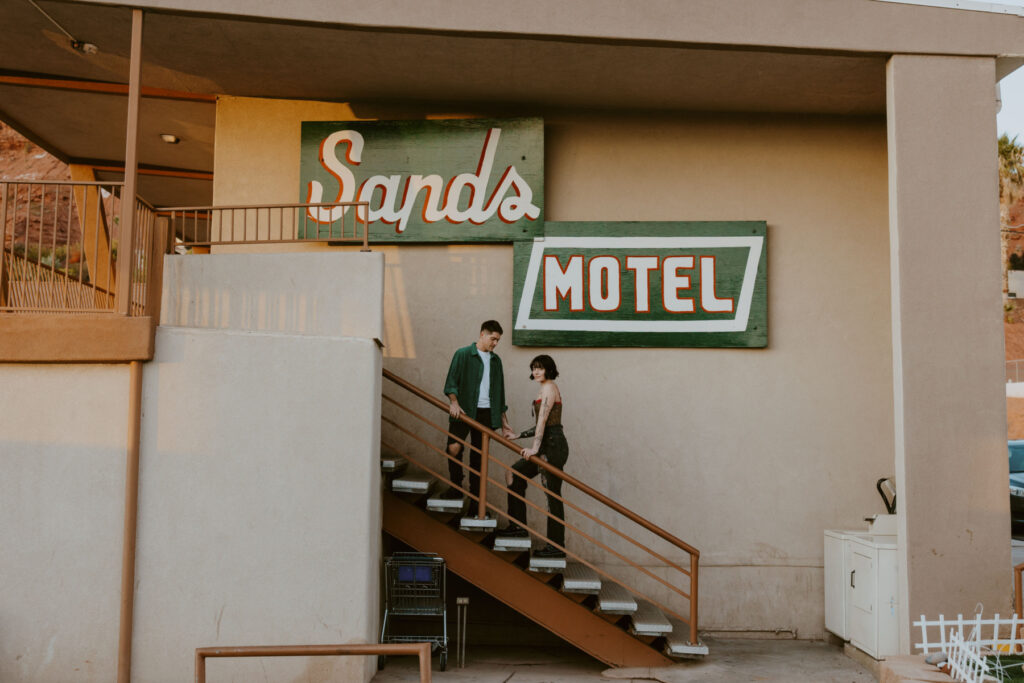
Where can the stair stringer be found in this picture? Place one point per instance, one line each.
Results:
(517, 588)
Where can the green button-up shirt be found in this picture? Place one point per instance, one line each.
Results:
(464, 376)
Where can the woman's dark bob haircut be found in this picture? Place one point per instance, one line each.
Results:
(546, 362)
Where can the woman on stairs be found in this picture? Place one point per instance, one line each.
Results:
(549, 445)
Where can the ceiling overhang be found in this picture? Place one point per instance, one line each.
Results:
(74, 104)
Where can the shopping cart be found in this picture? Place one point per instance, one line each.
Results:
(414, 586)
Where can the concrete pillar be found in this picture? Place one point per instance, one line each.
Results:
(950, 409)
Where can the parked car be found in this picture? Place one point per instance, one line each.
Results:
(1016, 448)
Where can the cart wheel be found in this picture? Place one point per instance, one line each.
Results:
(443, 660)
(381, 661)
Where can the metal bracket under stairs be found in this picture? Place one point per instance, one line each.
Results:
(576, 623)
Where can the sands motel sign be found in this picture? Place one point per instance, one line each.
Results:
(657, 284)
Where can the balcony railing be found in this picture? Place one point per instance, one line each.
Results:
(59, 249)
(205, 226)
(60, 242)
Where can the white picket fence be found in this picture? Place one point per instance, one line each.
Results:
(1002, 633)
(966, 646)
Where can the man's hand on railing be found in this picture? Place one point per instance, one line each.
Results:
(509, 433)
(454, 409)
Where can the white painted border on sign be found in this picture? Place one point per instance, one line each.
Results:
(738, 324)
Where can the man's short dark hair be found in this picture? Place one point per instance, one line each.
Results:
(491, 326)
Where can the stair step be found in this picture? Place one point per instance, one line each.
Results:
(550, 565)
(511, 543)
(439, 504)
(579, 578)
(476, 524)
(392, 462)
(614, 599)
(412, 482)
(677, 644)
(648, 620)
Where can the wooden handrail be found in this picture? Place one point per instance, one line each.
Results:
(516, 448)
(421, 650)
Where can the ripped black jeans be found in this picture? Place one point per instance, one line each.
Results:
(555, 449)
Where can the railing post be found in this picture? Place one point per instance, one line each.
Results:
(155, 268)
(485, 455)
(126, 245)
(694, 571)
(3, 243)
(424, 657)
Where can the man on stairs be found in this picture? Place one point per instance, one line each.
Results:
(475, 387)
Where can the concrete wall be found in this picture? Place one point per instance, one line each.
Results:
(259, 513)
(259, 516)
(62, 455)
(330, 294)
(747, 454)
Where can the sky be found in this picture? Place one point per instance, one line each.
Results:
(1010, 119)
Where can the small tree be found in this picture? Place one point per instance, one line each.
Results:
(1011, 186)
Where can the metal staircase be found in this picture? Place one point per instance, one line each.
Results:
(576, 598)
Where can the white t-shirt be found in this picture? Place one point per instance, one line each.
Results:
(485, 382)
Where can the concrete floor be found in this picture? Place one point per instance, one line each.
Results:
(732, 660)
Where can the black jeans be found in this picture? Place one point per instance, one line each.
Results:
(459, 430)
(555, 449)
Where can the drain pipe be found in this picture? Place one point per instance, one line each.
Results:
(131, 479)
(131, 510)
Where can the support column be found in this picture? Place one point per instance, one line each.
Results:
(126, 232)
(949, 397)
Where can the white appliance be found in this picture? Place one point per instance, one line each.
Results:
(861, 600)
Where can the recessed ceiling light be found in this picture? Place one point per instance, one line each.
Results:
(83, 47)
(170, 138)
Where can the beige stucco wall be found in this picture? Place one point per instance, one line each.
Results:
(258, 505)
(259, 519)
(333, 294)
(747, 454)
(62, 455)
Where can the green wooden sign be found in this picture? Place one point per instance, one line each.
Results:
(642, 284)
(455, 180)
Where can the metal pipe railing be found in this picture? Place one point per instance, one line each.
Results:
(480, 495)
(206, 226)
(569, 553)
(57, 252)
(542, 511)
(420, 650)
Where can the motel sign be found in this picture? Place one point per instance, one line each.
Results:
(452, 180)
(642, 284)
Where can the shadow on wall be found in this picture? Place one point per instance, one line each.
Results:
(309, 294)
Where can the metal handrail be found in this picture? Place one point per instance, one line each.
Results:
(206, 226)
(28, 284)
(531, 482)
(421, 650)
(547, 513)
(490, 435)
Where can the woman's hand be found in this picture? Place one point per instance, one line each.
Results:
(528, 453)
